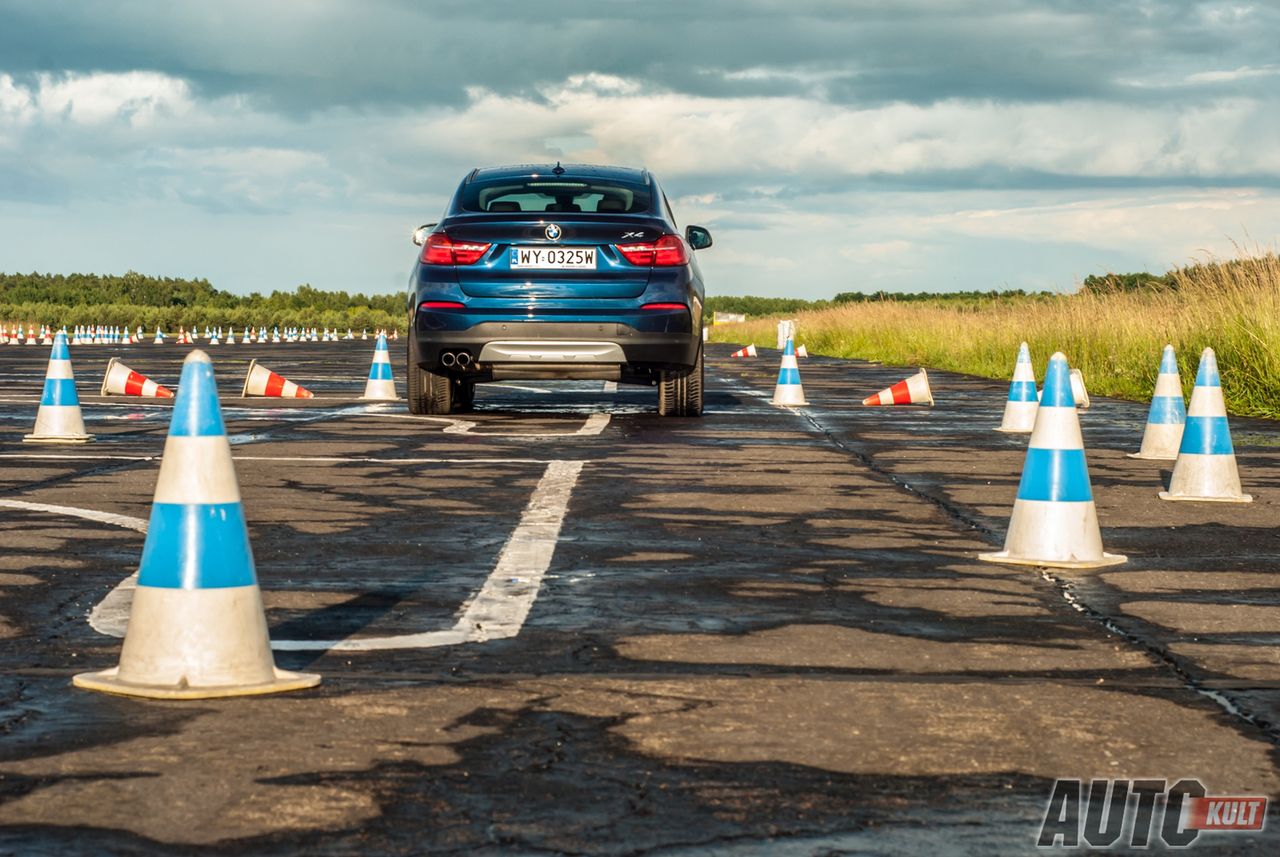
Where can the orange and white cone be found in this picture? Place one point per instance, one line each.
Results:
(261, 381)
(120, 380)
(911, 391)
(749, 351)
(801, 351)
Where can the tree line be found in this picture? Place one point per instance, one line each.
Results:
(132, 299)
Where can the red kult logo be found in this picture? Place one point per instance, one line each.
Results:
(1226, 813)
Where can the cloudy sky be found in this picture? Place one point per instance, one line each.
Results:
(925, 145)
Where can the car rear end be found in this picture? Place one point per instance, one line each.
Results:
(553, 273)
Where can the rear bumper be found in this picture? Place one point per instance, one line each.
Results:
(567, 344)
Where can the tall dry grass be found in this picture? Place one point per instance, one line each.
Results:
(1114, 338)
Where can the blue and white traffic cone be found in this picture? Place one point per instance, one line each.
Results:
(59, 419)
(1054, 521)
(380, 384)
(788, 390)
(1020, 408)
(197, 628)
(1168, 413)
(1206, 465)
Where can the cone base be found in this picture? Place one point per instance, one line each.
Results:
(799, 404)
(1145, 457)
(1004, 430)
(54, 438)
(1243, 498)
(379, 399)
(1003, 558)
(108, 681)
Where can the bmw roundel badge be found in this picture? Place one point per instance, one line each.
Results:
(552, 232)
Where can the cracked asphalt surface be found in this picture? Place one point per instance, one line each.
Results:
(762, 632)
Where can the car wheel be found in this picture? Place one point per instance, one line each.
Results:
(680, 394)
(694, 384)
(416, 379)
(429, 393)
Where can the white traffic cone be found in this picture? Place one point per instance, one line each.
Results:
(197, 628)
(1054, 521)
(1078, 391)
(802, 352)
(261, 381)
(380, 384)
(120, 380)
(1168, 413)
(910, 391)
(788, 391)
(1206, 465)
(59, 419)
(1020, 407)
(749, 351)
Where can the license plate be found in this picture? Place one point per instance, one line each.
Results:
(555, 258)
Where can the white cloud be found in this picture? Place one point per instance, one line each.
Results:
(137, 97)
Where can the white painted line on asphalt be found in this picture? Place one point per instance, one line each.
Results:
(594, 425)
(327, 459)
(127, 521)
(85, 456)
(506, 386)
(337, 459)
(498, 611)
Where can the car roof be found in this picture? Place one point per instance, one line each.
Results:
(629, 174)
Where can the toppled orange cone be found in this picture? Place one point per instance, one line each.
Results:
(261, 381)
(120, 380)
(910, 391)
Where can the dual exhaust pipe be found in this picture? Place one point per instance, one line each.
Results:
(455, 359)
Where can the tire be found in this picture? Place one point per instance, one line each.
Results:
(680, 394)
(429, 393)
(694, 384)
(415, 380)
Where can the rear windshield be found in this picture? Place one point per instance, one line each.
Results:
(555, 194)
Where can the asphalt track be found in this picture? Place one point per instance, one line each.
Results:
(762, 632)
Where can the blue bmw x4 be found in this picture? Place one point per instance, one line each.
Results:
(556, 272)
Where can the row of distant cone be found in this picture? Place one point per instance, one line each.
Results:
(116, 335)
(59, 419)
(43, 337)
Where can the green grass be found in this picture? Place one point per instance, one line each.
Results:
(1114, 337)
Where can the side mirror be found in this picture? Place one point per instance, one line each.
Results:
(698, 238)
(420, 234)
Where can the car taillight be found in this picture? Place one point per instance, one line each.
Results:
(665, 306)
(440, 249)
(668, 251)
(440, 305)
